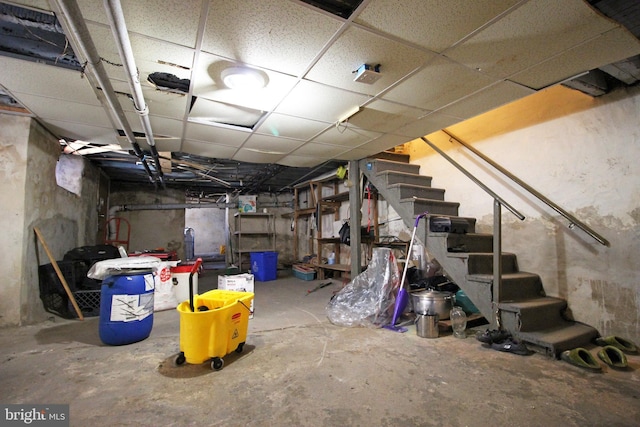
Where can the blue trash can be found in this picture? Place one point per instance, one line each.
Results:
(264, 265)
(126, 308)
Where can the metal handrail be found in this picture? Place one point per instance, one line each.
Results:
(498, 202)
(476, 180)
(573, 220)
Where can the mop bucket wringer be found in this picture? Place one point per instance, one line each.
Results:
(213, 325)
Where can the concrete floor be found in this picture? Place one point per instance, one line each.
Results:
(297, 369)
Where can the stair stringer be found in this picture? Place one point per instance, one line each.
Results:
(436, 243)
(452, 252)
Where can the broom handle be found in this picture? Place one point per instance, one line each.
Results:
(413, 235)
(59, 273)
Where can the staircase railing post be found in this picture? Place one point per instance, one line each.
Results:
(497, 262)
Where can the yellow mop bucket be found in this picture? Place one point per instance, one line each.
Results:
(213, 325)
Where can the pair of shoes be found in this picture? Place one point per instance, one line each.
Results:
(613, 357)
(510, 345)
(581, 358)
(620, 343)
(491, 336)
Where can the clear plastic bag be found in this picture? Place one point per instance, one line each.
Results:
(368, 300)
(116, 266)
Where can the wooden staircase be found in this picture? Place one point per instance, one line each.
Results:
(467, 258)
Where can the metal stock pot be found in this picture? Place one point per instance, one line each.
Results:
(433, 302)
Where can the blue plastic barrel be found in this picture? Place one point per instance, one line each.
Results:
(126, 308)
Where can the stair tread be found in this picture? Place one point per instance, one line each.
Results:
(420, 199)
(417, 186)
(471, 254)
(531, 303)
(488, 278)
(559, 334)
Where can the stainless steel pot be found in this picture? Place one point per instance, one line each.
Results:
(433, 302)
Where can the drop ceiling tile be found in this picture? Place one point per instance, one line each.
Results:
(279, 35)
(346, 135)
(356, 154)
(168, 145)
(36, 78)
(356, 47)
(216, 134)
(271, 144)
(172, 21)
(529, 35)
(253, 156)
(57, 109)
(384, 116)
(487, 99)
(301, 161)
(314, 101)
(432, 24)
(318, 150)
(150, 55)
(610, 47)
(207, 83)
(440, 83)
(427, 124)
(207, 149)
(206, 111)
(83, 131)
(383, 143)
(290, 127)
(166, 128)
(165, 104)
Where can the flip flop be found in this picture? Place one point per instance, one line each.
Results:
(621, 343)
(581, 358)
(613, 357)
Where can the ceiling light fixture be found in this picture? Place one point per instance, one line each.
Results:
(243, 78)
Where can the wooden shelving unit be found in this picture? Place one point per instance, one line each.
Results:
(322, 205)
(254, 232)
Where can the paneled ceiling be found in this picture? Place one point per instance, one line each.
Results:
(431, 64)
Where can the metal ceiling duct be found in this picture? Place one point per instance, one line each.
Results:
(119, 30)
(71, 18)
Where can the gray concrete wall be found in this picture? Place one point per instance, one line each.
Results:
(13, 169)
(152, 228)
(32, 198)
(580, 152)
(209, 229)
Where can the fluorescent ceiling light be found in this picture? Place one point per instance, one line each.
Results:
(243, 78)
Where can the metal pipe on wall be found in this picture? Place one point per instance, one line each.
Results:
(71, 18)
(119, 30)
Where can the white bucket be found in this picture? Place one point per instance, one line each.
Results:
(180, 278)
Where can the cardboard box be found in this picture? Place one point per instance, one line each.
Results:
(238, 282)
(247, 203)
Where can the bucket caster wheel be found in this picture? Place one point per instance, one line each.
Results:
(240, 347)
(180, 359)
(217, 363)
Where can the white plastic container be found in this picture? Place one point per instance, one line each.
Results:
(180, 278)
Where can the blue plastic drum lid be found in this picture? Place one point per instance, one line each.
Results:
(126, 308)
